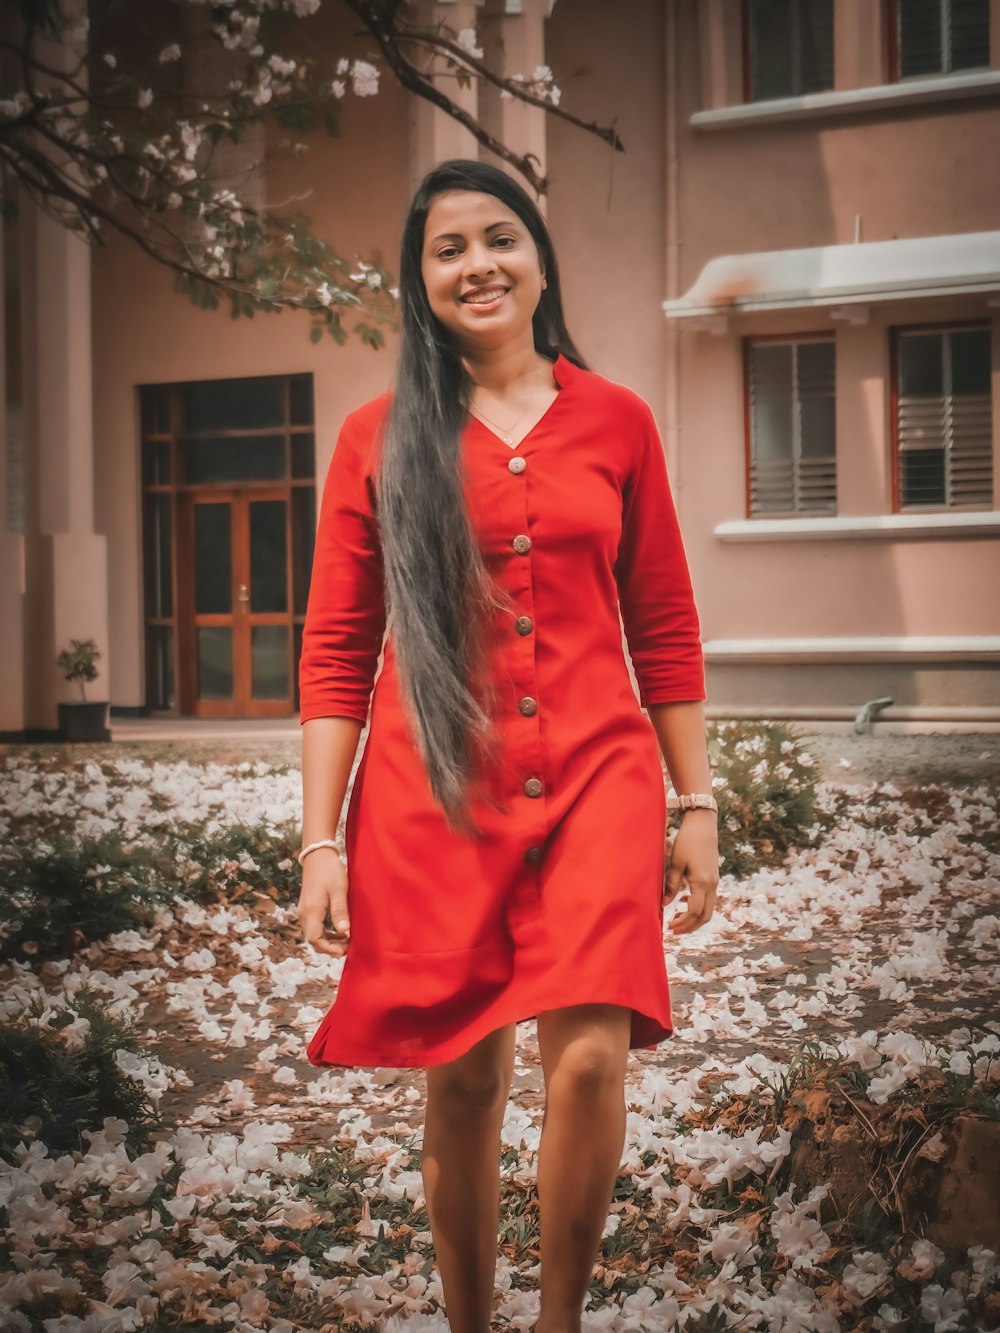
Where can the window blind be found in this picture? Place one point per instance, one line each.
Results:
(944, 418)
(941, 36)
(792, 393)
(790, 47)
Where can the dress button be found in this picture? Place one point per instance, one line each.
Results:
(523, 625)
(533, 787)
(517, 465)
(528, 706)
(521, 544)
(533, 855)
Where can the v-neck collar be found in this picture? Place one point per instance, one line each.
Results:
(562, 373)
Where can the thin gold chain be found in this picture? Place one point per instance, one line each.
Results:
(505, 431)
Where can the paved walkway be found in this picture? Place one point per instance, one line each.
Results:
(843, 756)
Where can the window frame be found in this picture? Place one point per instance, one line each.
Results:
(755, 339)
(896, 331)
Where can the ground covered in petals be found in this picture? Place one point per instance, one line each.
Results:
(792, 1154)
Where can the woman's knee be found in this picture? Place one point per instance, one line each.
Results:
(585, 1052)
(479, 1080)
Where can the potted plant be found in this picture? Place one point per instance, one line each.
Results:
(83, 721)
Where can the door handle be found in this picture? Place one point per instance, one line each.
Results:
(243, 593)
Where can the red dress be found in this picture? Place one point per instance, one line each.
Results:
(559, 902)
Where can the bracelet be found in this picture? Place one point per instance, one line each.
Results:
(324, 842)
(696, 800)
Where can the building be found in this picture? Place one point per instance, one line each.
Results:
(795, 261)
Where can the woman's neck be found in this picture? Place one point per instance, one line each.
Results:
(499, 369)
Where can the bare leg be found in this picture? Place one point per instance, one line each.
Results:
(466, 1100)
(584, 1050)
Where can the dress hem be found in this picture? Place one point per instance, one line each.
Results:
(463, 1042)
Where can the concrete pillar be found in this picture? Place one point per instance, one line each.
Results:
(864, 451)
(520, 126)
(720, 53)
(66, 560)
(66, 568)
(860, 47)
(995, 378)
(11, 515)
(435, 135)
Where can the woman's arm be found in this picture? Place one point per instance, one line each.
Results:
(329, 745)
(694, 852)
(663, 630)
(341, 641)
(680, 728)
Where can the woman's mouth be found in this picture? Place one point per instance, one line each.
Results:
(486, 299)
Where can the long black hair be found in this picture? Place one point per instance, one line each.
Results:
(440, 596)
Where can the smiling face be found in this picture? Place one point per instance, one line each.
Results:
(481, 269)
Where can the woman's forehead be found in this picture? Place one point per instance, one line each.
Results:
(457, 210)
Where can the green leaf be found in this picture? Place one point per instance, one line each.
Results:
(315, 333)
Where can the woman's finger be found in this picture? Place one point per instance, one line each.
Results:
(700, 906)
(673, 880)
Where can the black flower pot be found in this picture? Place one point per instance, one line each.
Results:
(84, 722)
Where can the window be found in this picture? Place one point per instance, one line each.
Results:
(789, 47)
(944, 426)
(792, 415)
(940, 36)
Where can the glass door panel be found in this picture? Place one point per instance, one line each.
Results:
(269, 658)
(215, 662)
(268, 555)
(213, 559)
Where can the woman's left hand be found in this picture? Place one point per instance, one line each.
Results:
(694, 858)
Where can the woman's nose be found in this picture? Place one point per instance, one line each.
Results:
(479, 260)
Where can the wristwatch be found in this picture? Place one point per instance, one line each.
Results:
(695, 800)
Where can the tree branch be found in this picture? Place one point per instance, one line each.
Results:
(425, 38)
(410, 77)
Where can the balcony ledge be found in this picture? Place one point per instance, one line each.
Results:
(851, 101)
(885, 527)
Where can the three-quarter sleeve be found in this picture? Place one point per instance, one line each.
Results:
(657, 601)
(345, 612)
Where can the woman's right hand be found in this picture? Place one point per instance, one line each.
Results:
(323, 894)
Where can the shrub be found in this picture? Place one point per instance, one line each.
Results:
(767, 799)
(62, 893)
(53, 1087)
(242, 857)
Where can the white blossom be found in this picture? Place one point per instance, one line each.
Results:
(466, 39)
(364, 79)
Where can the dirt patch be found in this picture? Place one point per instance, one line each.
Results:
(926, 1163)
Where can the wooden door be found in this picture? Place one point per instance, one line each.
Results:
(235, 602)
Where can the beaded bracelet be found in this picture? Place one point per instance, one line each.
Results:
(324, 842)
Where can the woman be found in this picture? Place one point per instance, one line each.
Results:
(506, 829)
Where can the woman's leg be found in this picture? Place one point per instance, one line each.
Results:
(466, 1100)
(584, 1050)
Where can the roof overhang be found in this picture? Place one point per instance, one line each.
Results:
(842, 276)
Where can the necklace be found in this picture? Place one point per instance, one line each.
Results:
(504, 433)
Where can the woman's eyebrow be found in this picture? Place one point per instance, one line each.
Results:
(457, 235)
